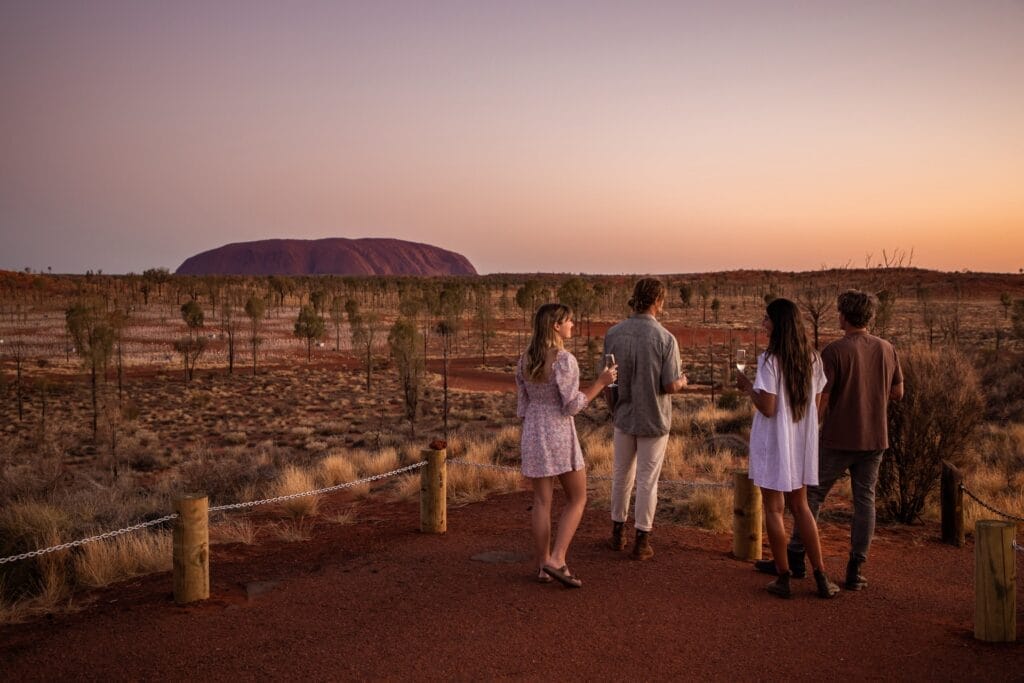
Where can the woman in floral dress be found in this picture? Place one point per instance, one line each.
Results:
(548, 383)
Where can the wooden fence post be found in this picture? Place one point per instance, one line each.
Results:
(746, 517)
(995, 581)
(191, 558)
(951, 496)
(434, 492)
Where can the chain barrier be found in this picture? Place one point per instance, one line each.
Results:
(83, 541)
(668, 482)
(329, 489)
(988, 507)
(216, 508)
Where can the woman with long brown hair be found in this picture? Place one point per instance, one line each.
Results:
(548, 384)
(784, 438)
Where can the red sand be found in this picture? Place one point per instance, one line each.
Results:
(377, 599)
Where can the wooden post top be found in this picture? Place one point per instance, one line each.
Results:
(993, 524)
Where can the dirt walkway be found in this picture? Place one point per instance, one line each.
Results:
(378, 600)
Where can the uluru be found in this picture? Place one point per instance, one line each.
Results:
(329, 256)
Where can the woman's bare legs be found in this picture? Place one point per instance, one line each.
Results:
(804, 521)
(540, 519)
(774, 508)
(575, 486)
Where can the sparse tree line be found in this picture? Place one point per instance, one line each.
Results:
(450, 315)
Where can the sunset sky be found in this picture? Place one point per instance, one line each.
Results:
(591, 136)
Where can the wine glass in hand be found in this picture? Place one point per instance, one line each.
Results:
(741, 359)
(609, 362)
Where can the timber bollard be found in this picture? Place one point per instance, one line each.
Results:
(434, 492)
(951, 496)
(191, 549)
(746, 517)
(995, 581)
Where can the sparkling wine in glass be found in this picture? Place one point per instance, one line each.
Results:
(609, 361)
(741, 359)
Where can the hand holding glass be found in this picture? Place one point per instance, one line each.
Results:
(609, 362)
(741, 359)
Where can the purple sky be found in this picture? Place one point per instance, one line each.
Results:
(602, 137)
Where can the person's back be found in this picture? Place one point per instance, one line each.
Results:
(861, 369)
(647, 359)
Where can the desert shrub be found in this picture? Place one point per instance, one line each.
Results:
(1002, 377)
(939, 413)
(729, 400)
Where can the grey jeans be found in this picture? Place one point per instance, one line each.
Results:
(863, 467)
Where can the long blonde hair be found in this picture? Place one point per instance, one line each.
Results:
(544, 338)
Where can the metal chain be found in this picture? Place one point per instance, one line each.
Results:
(669, 482)
(216, 508)
(337, 487)
(988, 507)
(1018, 547)
(100, 537)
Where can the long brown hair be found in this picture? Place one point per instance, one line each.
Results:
(544, 338)
(790, 345)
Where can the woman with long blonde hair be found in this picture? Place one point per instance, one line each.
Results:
(784, 438)
(549, 395)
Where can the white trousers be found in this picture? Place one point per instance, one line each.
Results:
(637, 458)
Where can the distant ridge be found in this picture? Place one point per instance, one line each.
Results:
(330, 256)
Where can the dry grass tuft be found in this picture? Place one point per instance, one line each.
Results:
(233, 531)
(106, 562)
(337, 469)
(344, 517)
(296, 480)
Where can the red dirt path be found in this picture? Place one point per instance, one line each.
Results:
(377, 599)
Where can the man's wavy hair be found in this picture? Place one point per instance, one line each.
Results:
(646, 292)
(857, 307)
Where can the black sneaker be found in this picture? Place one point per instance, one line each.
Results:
(797, 565)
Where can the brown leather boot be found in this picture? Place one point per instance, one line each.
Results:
(642, 549)
(618, 539)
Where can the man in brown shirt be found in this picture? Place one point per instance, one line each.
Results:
(863, 375)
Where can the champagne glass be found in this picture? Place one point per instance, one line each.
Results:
(609, 361)
(741, 359)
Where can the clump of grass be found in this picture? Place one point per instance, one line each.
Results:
(296, 480)
(704, 508)
(336, 469)
(105, 562)
(237, 438)
(233, 531)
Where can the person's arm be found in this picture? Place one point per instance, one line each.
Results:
(822, 405)
(896, 392)
(604, 379)
(762, 400)
(676, 386)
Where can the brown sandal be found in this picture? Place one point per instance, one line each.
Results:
(563, 576)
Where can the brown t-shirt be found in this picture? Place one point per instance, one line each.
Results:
(861, 369)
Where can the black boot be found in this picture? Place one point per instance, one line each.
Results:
(780, 586)
(618, 539)
(826, 589)
(854, 580)
(796, 563)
